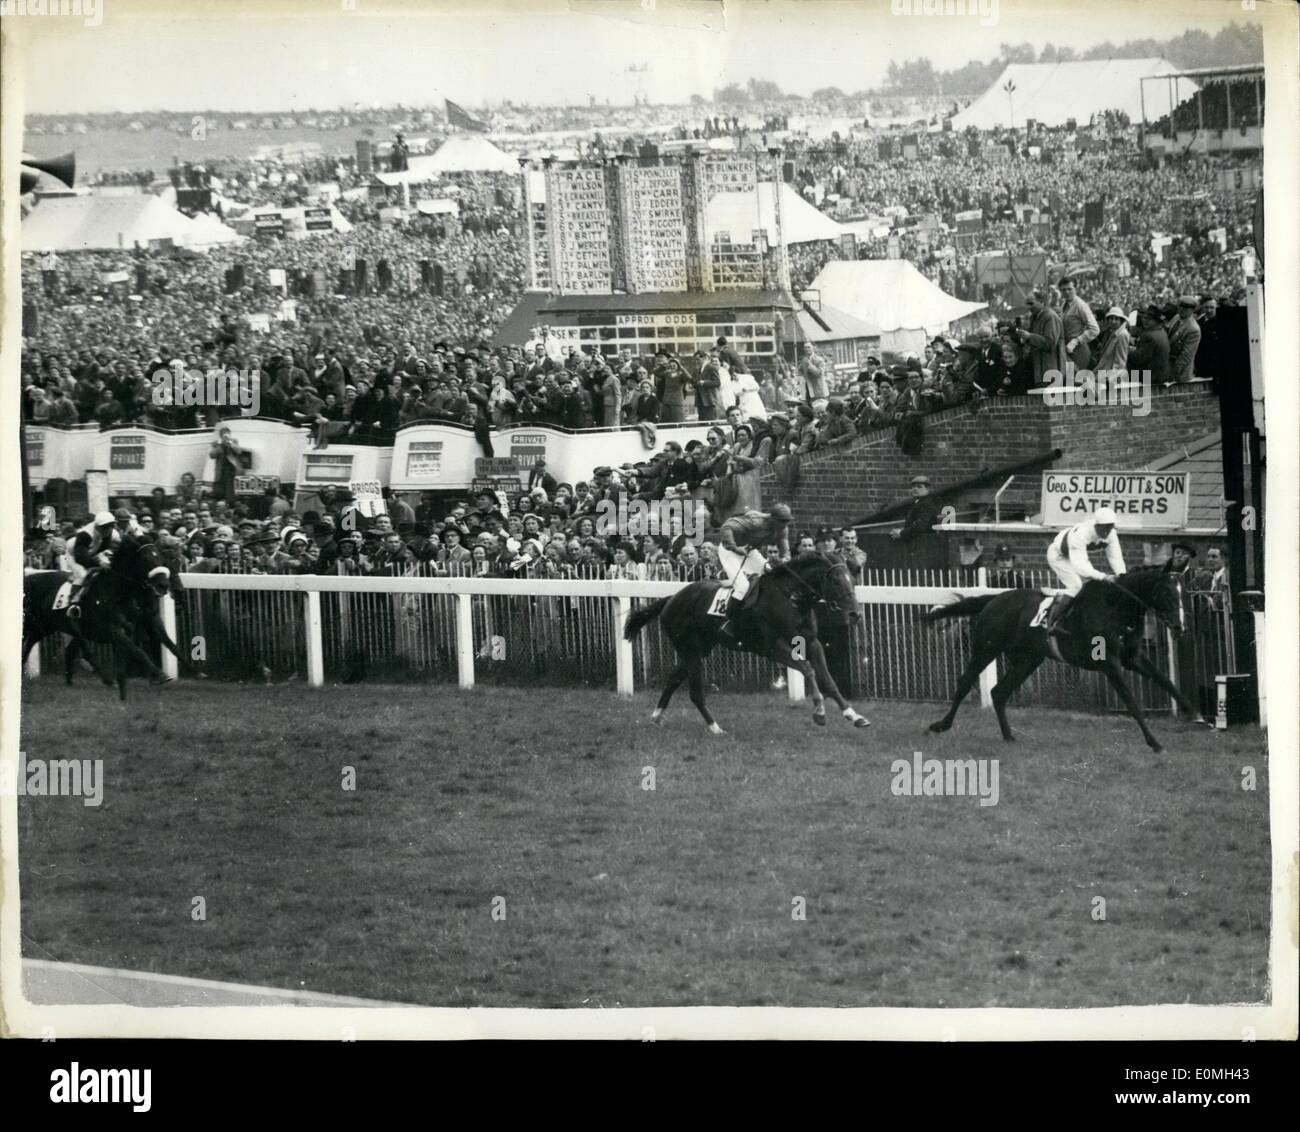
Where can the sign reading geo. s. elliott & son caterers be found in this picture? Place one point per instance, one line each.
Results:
(1154, 500)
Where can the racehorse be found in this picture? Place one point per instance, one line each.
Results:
(780, 624)
(117, 602)
(1101, 631)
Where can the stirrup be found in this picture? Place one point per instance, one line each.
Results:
(74, 611)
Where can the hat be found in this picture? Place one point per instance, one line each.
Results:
(824, 532)
(224, 532)
(104, 519)
(603, 470)
(1188, 301)
(915, 480)
(1115, 312)
(1191, 550)
(121, 513)
(1002, 551)
(296, 536)
(1103, 516)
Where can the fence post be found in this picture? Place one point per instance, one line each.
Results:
(465, 640)
(33, 665)
(1261, 687)
(315, 649)
(794, 685)
(622, 649)
(989, 675)
(167, 611)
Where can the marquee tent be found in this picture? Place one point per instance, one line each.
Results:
(801, 222)
(1052, 93)
(890, 295)
(460, 153)
(107, 223)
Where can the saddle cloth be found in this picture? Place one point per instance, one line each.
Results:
(1041, 615)
(718, 606)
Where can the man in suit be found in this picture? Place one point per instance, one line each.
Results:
(1043, 339)
(1184, 340)
(707, 397)
(1150, 354)
(539, 475)
(923, 515)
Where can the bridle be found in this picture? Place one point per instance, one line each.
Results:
(1159, 614)
(832, 603)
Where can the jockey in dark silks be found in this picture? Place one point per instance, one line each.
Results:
(91, 549)
(739, 553)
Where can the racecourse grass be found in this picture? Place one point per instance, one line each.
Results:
(616, 895)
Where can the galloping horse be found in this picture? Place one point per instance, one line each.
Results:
(781, 625)
(1102, 632)
(118, 601)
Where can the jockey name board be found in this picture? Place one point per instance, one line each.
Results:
(1141, 500)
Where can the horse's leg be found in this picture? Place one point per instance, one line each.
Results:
(1138, 663)
(782, 653)
(969, 678)
(817, 654)
(70, 659)
(1021, 667)
(1116, 678)
(127, 648)
(696, 676)
(675, 681)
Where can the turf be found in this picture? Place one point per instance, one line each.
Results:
(619, 895)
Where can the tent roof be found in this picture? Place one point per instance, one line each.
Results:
(801, 222)
(99, 223)
(839, 325)
(889, 295)
(1052, 93)
(460, 153)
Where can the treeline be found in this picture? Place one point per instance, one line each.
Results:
(1234, 44)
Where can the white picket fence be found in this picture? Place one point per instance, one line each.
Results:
(566, 632)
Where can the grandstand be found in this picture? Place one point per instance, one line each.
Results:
(1224, 112)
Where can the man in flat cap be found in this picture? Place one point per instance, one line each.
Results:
(1184, 340)
(924, 512)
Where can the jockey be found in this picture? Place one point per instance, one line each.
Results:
(740, 557)
(1068, 557)
(92, 548)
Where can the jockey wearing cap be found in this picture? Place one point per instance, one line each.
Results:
(92, 548)
(1068, 557)
(739, 542)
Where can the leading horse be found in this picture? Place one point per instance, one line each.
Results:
(781, 625)
(1102, 632)
(119, 603)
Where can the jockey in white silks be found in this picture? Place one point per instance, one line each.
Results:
(1068, 557)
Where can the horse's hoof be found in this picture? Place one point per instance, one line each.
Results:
(820, 720)
(939, 727)
(656, 716)
(714, 729)
(862, 721)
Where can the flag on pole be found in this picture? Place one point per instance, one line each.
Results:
(457, 116)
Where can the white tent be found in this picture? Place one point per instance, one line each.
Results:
(1052, 93)
(104, 223)
(460, 153)
(739, 214)
(891, 296)
(207, 231)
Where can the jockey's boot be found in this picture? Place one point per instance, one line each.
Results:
(729, 632)
(1052, 622)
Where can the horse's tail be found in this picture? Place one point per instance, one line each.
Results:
(638, 619)
(966, 607)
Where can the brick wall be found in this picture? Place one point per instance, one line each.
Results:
(842, 485)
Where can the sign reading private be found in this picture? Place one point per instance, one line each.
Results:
(1139, 499)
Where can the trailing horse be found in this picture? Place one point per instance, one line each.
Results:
(1102, 631)
(117, 604)
(780, 624)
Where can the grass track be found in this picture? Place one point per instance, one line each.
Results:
(616, 895)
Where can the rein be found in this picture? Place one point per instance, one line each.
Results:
(831, 602)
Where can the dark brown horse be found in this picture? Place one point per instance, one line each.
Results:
(781, 624)
(1102, 632)
(119, 604)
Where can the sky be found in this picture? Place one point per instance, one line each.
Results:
(299, 54)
